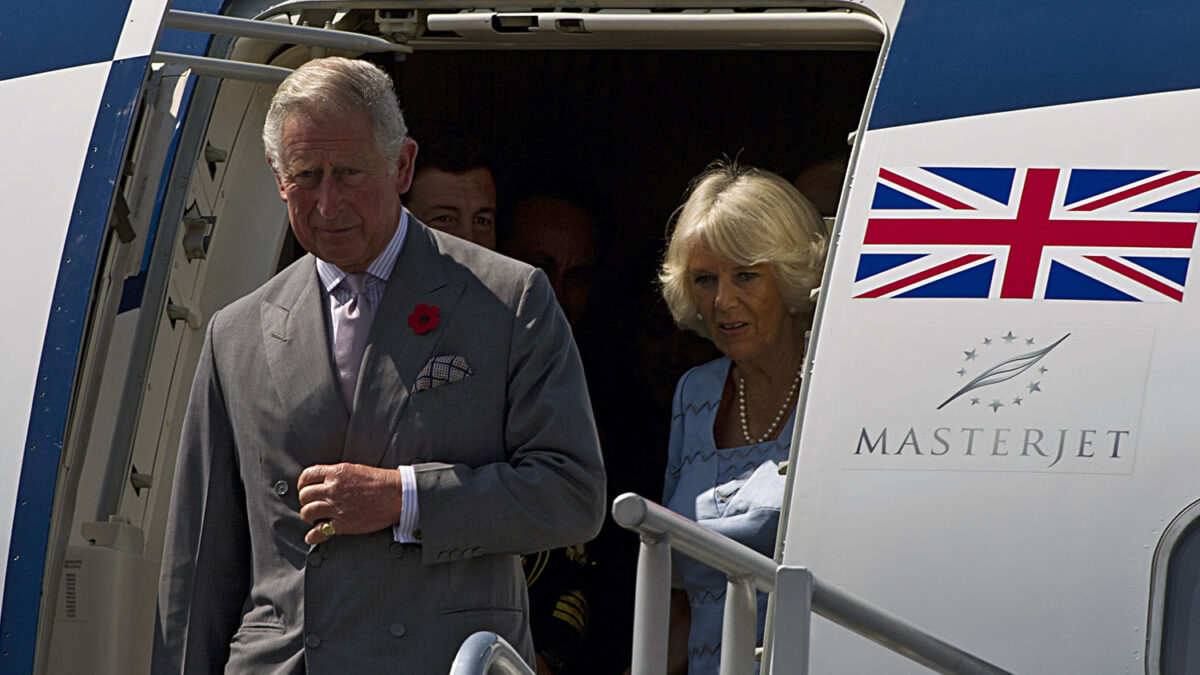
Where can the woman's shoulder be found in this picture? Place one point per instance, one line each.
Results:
(704, 381)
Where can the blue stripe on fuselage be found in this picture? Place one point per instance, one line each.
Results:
(60, 355)
(954, 58)
(87, 32)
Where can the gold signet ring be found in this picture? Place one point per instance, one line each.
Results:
(327, 528)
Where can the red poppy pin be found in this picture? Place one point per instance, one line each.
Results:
(424, 318)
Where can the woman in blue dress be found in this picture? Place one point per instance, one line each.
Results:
(746, 251)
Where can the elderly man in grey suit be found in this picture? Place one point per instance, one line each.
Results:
(377, 433)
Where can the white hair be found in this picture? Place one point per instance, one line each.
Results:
(749, 216)
(336, 84)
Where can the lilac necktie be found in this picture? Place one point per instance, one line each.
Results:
(353, 321)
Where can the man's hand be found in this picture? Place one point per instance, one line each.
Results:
(354, 497)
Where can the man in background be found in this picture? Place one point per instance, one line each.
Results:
(453, 188)
(553, 225)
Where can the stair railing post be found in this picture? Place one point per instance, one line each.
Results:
(791, 625)
(739, 628)
(652, 606)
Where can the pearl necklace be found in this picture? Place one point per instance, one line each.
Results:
(741, 386)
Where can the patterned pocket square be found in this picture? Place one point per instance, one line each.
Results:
(442, 370)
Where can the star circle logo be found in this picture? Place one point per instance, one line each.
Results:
(1013, 357)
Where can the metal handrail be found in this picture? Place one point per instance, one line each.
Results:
(264, 30)
(279, 32)
(634, 512)
(227, 70)
(662, 530)
(485, 653)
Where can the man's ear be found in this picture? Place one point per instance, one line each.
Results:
(405, 166)
(278, 180)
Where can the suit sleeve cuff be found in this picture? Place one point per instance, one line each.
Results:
(408, 530)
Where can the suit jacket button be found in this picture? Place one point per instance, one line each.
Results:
(315, 559)
(312, 641)
(397, 629)
(396, 549)
(281, 487)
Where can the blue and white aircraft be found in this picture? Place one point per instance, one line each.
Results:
(996, 437)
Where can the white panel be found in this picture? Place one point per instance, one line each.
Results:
(142, 25)
(1035, 561)
(43, 145)
(1132, 131)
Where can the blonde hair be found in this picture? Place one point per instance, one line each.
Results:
(749, 216)
(338, 84)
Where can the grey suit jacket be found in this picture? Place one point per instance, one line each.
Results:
(507, 462)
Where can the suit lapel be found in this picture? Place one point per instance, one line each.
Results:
(395, 353)
(297, 348)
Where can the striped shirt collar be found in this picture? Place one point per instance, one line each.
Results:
(381, 268)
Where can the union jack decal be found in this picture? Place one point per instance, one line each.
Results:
(1061, 234)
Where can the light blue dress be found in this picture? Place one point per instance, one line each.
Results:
(737, 492)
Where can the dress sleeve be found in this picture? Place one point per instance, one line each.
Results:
(675, 457)
(675, 443)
